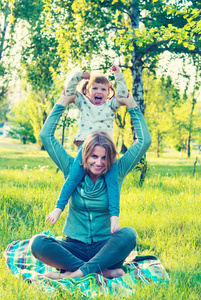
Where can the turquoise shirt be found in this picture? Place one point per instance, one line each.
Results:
(88, 218)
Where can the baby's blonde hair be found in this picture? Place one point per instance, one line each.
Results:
(99, 138)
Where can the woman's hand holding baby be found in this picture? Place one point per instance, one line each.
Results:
(129, 101)
(86, 75)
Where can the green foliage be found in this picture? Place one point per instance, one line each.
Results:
(21, 127)
(40, 67)
(39, 59)
(93, 33)
(161, 211)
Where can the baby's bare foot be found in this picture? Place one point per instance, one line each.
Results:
(112, 273)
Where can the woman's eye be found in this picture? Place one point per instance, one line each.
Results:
(94, 156)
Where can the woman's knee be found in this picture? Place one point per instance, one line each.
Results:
(129, 235)
(37, 244)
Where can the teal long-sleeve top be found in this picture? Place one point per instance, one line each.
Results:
(88, 218)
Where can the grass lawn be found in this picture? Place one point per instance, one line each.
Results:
(165, 211)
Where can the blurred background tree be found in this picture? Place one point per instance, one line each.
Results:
(20, 124)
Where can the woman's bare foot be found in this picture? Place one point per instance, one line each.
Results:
(112, 273)
(56, 276)
(77, 274)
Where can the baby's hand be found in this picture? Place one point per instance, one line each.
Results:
(54, 215)
(115, 226)
(115, 69)
(86, 75)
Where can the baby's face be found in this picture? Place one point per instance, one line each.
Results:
(98, 93)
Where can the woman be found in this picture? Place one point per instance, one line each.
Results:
(89, 246)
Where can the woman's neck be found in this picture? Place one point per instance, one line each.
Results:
(93, 177)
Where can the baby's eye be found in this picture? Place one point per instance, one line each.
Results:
(103, 89)
(94, 88)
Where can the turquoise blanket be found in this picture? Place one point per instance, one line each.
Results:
(143, 268)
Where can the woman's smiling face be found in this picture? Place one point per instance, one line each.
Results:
(96, 162)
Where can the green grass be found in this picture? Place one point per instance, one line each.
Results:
(165, 211)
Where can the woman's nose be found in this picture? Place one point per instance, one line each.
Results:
(98, 161)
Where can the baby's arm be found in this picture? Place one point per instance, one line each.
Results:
(122, 89)
(72, 85)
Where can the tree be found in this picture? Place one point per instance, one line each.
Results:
(191, 80)
(40, 70)
(4, 108)
(186, 124)
(162, 99)
(5, 45)
(21, 127)
(135, 31)
(12, 13)
(195, 93)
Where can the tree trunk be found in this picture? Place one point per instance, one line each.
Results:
(3, 32)
(136, 70)
(42, 148)
(190, 127)
(63, 130)
(189, 144)
(143, 170)
(158, 144)
(137, 63)
(44, 119)
(123, 148)
(137, 90)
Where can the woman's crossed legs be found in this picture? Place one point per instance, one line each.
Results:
(79, 259)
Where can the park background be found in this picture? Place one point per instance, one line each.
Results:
(157, 45)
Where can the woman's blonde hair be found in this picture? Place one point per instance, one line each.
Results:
(99, 138)
(98, 79)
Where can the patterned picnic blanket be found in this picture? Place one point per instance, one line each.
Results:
(143, 268)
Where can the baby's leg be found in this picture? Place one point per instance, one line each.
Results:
(113, 192)
(74, 178)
